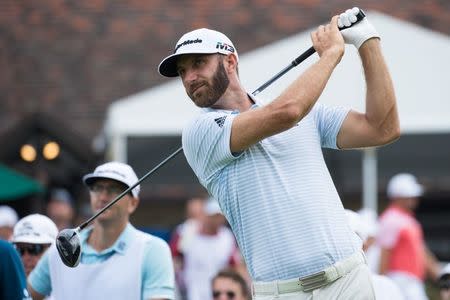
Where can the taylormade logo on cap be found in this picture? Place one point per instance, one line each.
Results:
(187, 43)
(199, 41)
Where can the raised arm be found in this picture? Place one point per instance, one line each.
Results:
(379, 125)
(297, 100)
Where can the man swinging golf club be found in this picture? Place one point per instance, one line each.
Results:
(265, 166)
(117, 261)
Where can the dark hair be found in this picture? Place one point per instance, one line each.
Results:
(444, 281)
(236, 277)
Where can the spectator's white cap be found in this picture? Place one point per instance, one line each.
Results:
(404, 185)
(445, 271)
(212, 207)
(35, 229)
(8, 216)
(199, 41)
(357, 224)
(117, 171)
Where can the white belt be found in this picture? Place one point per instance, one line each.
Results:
(310, 282)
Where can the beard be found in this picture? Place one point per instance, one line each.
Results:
(213, 91)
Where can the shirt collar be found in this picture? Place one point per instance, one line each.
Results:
(120, 245)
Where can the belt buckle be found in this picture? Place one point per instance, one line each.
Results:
(313, 281)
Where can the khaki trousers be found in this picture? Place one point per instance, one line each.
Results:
(356, 285)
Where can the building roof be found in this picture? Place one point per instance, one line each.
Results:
(74, 58)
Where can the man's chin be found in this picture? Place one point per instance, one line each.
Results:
(105, 220)
(204, 103)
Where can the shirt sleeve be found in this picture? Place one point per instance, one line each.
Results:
(329, 121)
(206, 144)
(39, 278)
(158, 272)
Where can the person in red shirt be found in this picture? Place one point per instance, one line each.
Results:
(404, 255)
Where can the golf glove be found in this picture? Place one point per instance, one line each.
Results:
(358, 33)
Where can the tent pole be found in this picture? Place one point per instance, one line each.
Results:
(370, 184)
(119, 148)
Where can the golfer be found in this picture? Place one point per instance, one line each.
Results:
(265, 165)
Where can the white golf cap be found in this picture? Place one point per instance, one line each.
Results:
(35, 229)
(117, 171)
(8, 216)
(201, 41)
(212, 207)
(404, 185)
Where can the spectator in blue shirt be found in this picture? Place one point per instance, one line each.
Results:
(117, 260)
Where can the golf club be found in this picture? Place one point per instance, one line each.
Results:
(302, 57)
(68, 240)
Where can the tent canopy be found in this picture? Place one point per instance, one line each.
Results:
(14, 185)
(416, 58)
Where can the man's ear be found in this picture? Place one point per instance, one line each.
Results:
(231, 62)
(133, 204)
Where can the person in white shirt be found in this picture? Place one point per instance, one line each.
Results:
(384, 287)
(181, 238)
(211, 248)
(264, 163)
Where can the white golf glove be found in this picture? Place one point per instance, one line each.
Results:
(358, 33)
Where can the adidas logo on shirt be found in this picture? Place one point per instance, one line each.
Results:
(220, 121)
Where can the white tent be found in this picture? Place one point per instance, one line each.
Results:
(417, 58)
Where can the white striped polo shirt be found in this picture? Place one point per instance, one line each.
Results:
(277, 195)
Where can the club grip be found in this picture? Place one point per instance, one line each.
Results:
(361, 15)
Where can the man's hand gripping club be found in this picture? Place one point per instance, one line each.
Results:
(358, 33)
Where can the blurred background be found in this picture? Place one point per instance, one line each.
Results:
(79, 86)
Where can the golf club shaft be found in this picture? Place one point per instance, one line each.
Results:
(293, 64)
(301, 58)
(86, 223)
